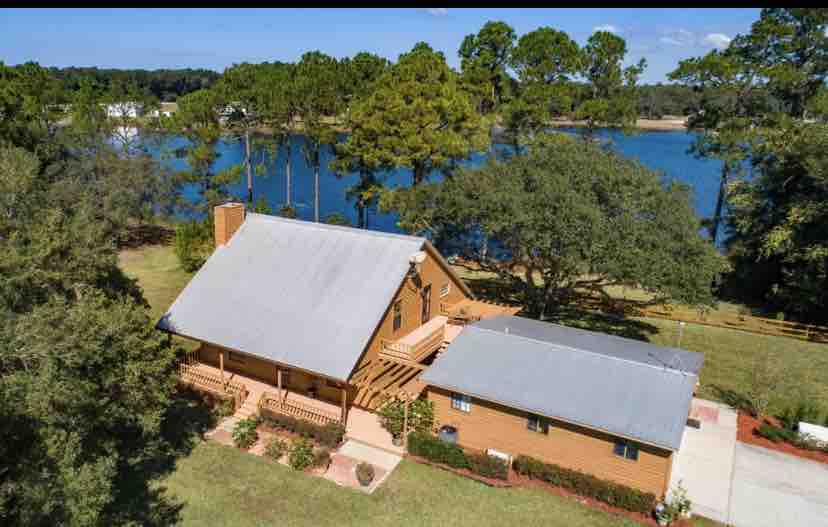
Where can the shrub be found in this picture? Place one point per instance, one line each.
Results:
(329, 435)
(420, 416)
(433, 449)
(804, 410)
(224, 408)
(365, 474)
(775, 434)
(276, 448)
(321, 458)
(488, 466)
(244, 433)
(301, 454)
(586, 485)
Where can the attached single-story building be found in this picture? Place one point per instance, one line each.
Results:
(612, 407)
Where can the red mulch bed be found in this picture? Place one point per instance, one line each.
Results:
(746, 433)
(516, 480)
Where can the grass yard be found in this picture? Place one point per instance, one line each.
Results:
(219, 485)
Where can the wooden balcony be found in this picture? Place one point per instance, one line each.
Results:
(467, 311)
(418, 344)
(291, 405)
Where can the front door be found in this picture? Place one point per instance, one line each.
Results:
(426, 303)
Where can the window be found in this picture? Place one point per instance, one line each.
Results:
(235, 357)
(461, 402)
(285, 377)
(536, 423)
(397, 315)
(626, 450)
(426, 304)
(444, 291)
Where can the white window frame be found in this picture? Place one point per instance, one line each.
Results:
(445, 290)
(461, 402)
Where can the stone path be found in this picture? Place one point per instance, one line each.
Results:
(343, 465)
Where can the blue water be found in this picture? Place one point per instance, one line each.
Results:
(665, 152)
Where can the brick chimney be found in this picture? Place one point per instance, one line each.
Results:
(228, 219)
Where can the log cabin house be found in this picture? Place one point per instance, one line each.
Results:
(327, 323)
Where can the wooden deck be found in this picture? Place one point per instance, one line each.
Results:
(418, 344)
(468, 310)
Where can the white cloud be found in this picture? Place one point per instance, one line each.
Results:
(679, 37)
(717, 40)
(607, 27)
(437, 11)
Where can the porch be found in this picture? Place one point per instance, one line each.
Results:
(254, 395)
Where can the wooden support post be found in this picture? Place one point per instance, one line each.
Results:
(279, 384)
(221, 366)
(344, 405)
(405, 420)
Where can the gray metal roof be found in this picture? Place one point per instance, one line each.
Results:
(304, 294)
(622, 348)
(620, 391)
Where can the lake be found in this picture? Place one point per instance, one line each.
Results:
(663, 151)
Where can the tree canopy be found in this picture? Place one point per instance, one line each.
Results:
(566, 220)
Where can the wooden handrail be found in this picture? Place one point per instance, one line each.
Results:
(201, 379)
(414, 352)
(271, 401)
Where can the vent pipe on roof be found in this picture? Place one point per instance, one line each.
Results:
(506, 330)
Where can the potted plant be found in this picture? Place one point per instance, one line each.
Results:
(420, 417)
(665, 514)
(680, 502)
(365, 474)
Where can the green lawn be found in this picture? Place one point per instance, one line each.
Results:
(219, 485)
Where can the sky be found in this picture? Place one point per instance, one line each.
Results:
(218, 38)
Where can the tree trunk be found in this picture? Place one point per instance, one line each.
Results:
(287, 172)
(720, 199)
(419, 173)
(316, 192)
(360, 208)
(249, 170)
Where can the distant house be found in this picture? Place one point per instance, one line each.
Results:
(124, 109)
(328, 323)
(165, 108)
(612, 407)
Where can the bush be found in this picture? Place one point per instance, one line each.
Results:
(329, 435)
(420, 416)
(804, 410)
(586, 485)
(321, 458)
(276, 448)
(301, 454)
(776, 434)
(488, 466)
(224, 408)
(433, 449)
(365, 474)
(244, 434)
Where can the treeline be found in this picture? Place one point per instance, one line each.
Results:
(164, 84)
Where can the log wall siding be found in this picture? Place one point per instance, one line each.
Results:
(491, 425)
(265, 371)
(431, 272)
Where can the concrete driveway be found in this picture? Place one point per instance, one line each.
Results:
(745, 485)
(772, 489)
(704, 463)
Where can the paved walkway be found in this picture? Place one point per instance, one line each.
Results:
(746, 485)
(343, 465)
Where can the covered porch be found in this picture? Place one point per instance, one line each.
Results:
(253, 394)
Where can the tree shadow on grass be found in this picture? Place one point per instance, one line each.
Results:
(618, 325)
(138, 496)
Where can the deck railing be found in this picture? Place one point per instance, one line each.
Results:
(414, 352)
(192, 375)
(272, 402)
